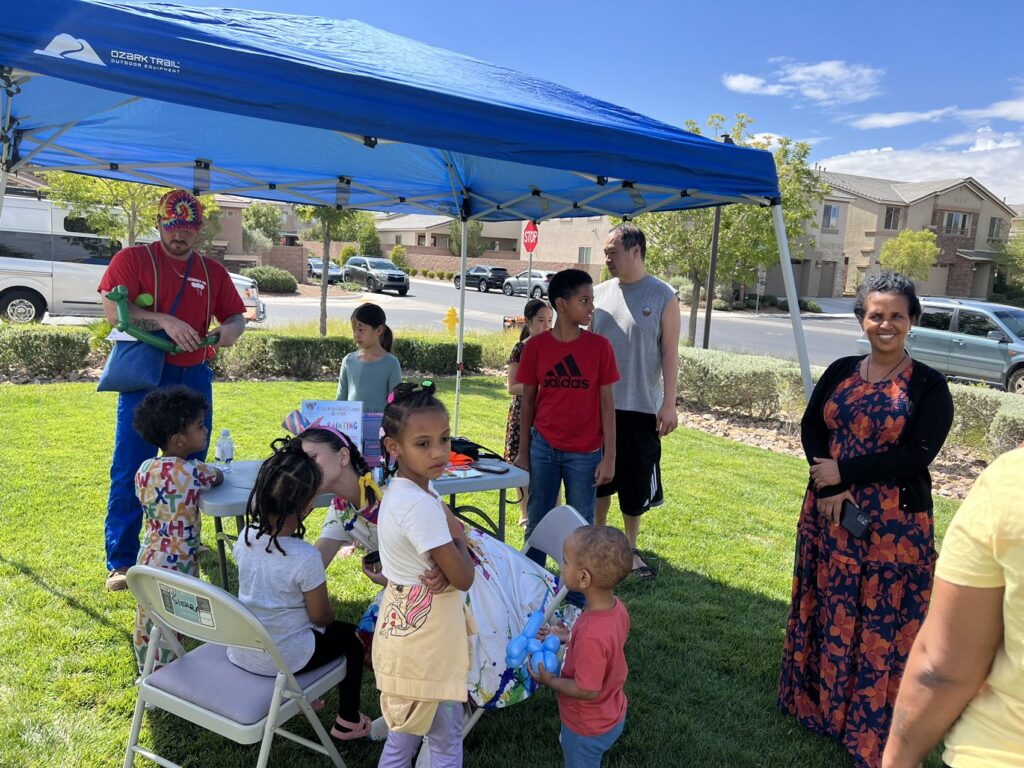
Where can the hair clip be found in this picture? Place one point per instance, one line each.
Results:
(391, 397)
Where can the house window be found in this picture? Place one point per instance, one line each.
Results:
(228, 213)
(956, 223)
(892, 218)
(421, 239)
(584, 256)
(398, 239)
(995, 228)
(830, 218)
(495, 245)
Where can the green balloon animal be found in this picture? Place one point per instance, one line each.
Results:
(124, 322)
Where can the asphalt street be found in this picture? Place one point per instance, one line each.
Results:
(828, 336)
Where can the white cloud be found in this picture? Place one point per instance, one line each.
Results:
(999, 168)
(827, 83)
(897, 119)
(1011, 109)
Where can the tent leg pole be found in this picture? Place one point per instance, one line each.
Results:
(792, 298)
(462, 322)
(712, 266)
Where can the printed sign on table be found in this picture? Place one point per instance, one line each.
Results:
(344, 415)
(371, 438)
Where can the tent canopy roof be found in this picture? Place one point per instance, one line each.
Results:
(328, 112)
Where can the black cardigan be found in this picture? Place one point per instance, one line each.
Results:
(930, 415)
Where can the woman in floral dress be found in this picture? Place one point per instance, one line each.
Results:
(871, 428)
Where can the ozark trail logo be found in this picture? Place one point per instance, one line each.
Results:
(64, 46)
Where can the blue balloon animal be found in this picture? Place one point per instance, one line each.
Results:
(526, 644)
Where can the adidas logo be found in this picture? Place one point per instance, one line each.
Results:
(566, 375)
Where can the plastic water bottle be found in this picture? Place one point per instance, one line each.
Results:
(224, 452)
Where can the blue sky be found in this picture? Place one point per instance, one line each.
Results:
(902, 90)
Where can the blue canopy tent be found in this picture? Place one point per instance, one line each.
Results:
(327, 112)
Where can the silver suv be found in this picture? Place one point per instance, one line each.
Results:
(969, 340)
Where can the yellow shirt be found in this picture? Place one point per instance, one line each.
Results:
(984, 548)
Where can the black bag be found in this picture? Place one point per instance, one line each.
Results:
(473, 450)
(855, 520)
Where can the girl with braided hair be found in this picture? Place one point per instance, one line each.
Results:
(281, 579)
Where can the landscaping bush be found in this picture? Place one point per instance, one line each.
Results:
(43, 350)
(398, 257)
(682, 285)
(756, 386)
(810, 306)
(1007, 430)
(272, 279)
(413, 272)
(721, 305)
(974, 409)
(259, 354)
(770, 300)
(352, 287)
(449, 275)
(432, 355)
(348, 252)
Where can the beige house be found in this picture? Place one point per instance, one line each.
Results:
(228, 244)
(970, 223)
(822, 272)
(415, 231)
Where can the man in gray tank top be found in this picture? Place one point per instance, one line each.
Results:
(639, 315)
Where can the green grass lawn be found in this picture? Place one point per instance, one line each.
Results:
(703, 654)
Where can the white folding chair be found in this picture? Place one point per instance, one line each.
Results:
(203, 686)
(549, 536)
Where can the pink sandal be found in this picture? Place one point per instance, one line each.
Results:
(355, 730)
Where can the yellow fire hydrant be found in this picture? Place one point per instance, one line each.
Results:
(451, 320)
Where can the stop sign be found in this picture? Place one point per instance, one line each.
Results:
(530, 237)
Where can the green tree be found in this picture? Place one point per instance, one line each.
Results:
(679, 242)
(254, 242)
(264, 218)
(330, 224)
(369, 240)
(475, 243)
(399, 257)
(1011, 260)
(347, 253)
(912, 253)
(120, 210)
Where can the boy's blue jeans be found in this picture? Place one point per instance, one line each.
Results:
(549, 469)
(124, 512)
(587, 751)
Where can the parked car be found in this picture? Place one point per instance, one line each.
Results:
(315, 268)
(969, 340)
(376, 274)
(484, 277)
(49, 262)
(536, 284)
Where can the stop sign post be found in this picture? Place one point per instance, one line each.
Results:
(530, 238)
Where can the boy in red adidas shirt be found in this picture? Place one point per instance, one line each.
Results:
(567, 422)
(591, 700)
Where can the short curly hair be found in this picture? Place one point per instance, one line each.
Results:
(892, 283)
(166, 412)
(603, 551)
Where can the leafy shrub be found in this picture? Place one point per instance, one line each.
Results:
(348, 252)
(433, 355)
(352, 287)
(398, 257)
(98, 344)
(272, 279)
(260, 354)
(413, 272)
(757, 386)
(682, 285)
(1007, 429)
(974, 409)
(721, 305)
(810, 306)
(770, 300)
(429, 274)
(43, 350)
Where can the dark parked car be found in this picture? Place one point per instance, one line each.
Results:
(484, 277)
(315, 268)
(535, 285)
(376, 274)
(970, 340)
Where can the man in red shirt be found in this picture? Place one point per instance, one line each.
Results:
(188, 291)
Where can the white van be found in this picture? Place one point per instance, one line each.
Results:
(51, 262)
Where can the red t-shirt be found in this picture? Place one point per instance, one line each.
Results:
(568, 376)
(133, 268)
(596, 660)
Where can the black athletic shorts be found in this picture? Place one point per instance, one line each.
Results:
(637, 463)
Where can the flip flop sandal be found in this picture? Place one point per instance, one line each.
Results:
(643, 572)
(355, 730)
(317, 704)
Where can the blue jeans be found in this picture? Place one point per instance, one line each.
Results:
(549, 469)
(587, 751)
(124, 512)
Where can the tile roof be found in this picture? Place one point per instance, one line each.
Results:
(887, 190)
(407, 221)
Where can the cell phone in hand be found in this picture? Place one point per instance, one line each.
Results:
(855, 520)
